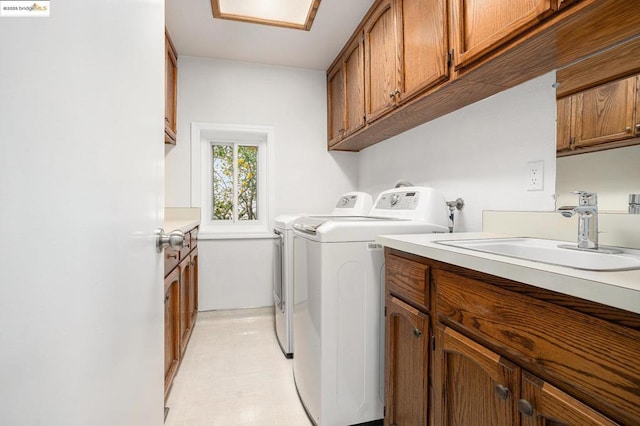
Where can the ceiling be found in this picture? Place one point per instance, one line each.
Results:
(195, 32)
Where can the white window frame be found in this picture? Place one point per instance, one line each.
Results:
(203, 136)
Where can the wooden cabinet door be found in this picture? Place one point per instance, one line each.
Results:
(353, 67)
(564, 124)
(381, 76)
(637, 107)
(483, 25)
(171, 90)
(423, 43)
(335, 104)
(605, 113)
(407, 364)
(193, 290)
(185, 312)
(544, 404)
(478, 386)
(171, 328)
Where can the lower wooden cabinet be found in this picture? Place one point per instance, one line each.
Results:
(171, 328)
(543, 404)
(478, 386)
(502, 352)
(180, 306)
(407, 355)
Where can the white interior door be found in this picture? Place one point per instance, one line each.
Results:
(81, 191)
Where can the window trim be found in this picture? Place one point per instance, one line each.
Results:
(202, 137)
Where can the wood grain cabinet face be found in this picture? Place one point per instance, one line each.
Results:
(335, 104)
(637, 108)
(564, 138)
(605, 113)
(479, 387)
(180, 303)
(171, 328)
(550, 406)
(171, 90)
(186, 272)
(407, 364)
(381, 51)
(481, 26)
(422, 34)
(353, 66)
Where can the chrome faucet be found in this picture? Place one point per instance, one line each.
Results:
(587, 211)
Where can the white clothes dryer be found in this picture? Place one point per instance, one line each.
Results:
(351, 203)
(339, 302)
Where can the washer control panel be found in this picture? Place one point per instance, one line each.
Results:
(347, 201)
(399, 200)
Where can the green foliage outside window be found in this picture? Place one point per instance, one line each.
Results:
(246, 168)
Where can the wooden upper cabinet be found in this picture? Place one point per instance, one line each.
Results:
(605, 113)
(381, 76)
(484, 25)
(479, 387)
(353, 67)
(543, 404)
(406, 365)
(423, 45)
(171, 90)
(637, 108)
(335, 104)
(564, 125)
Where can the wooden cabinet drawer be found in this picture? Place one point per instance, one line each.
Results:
(186, 248)
(171, 259)
(408, 279)
(598, 358)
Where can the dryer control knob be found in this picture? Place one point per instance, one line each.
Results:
(394, 199)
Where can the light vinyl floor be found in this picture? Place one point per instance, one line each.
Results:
(234, 374)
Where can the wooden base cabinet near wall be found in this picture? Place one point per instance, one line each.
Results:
(467, 348)
(180, 303)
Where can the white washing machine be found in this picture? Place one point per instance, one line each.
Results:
(339, 303)
(351, 203)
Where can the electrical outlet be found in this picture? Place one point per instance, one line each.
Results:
(535, 176)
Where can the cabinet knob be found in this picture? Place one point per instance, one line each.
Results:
(638, 127)
(417, 333)
(502, 392)
(627, 129)
(525, 408)
(166, 298)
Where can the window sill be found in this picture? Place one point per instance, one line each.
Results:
(235, 236)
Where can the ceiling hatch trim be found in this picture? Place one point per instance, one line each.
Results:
(258, 18)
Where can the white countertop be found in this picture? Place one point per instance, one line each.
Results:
(185, 225)
(620, 289)
(182, 218)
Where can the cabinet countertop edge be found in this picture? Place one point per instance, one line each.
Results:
(184, 225)
(620, 289)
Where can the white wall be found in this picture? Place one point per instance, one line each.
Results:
(613, 174)
(478, 153)
(307, 177)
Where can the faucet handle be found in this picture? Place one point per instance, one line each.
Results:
(587, 198)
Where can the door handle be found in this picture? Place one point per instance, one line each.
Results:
(175, 239)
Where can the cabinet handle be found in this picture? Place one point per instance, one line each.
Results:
(502, 392)
(172, 256)
(166, 298)
(525, 408)
(417, 333)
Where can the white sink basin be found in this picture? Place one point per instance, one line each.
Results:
(547, 251)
